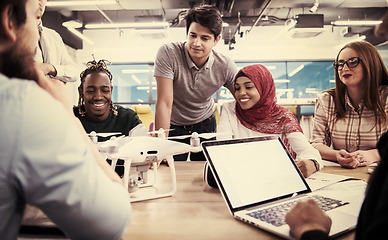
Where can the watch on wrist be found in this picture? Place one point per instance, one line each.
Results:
(316, 164)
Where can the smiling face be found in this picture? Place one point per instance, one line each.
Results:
(351, 77)
(246, 93)
(97, 93)
(200, 42)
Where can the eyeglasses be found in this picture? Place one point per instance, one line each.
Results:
(351, 62)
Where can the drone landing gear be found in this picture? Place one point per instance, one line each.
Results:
(141, 179)
(170, 161)
(136, 182)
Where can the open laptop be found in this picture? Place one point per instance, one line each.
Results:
(255, 175)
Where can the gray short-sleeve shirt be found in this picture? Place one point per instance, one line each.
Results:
(193, 87)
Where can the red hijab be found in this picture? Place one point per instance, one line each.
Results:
(266, 116)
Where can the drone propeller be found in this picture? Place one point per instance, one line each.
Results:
(93, 133)
(137, 148)
(202, 135)
(161, 131)
(113, 142)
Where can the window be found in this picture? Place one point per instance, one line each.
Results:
(131, 83)
(293, 80)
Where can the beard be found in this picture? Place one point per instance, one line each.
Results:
(18, 62)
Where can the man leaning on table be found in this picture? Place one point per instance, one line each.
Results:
(307, 221)
(188, 74)
(47, 160)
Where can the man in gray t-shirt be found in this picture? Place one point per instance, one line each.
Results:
(188, 74)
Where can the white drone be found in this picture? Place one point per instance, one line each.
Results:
(141, 151)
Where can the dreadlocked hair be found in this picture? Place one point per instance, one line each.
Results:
(91, 67)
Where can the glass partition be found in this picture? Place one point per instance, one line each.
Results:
(130, 83)
(294, 81)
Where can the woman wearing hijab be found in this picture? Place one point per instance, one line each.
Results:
(254, 112)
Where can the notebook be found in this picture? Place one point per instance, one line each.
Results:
(256, 175)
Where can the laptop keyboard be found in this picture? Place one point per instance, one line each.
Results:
(276, 215)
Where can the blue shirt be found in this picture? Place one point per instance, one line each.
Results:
(46, 163)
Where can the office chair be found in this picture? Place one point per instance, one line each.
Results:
(306, 121)
(146, 115)
(217, 113)
(292, 108)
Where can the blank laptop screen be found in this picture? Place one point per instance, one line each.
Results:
(254, 171)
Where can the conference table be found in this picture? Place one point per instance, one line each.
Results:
(197, 211)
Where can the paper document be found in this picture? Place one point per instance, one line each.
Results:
(330, 163)
(319, 180)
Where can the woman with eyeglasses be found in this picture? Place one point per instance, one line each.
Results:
(350, 118)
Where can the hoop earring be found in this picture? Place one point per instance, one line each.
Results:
(81, 107)
(113, 109)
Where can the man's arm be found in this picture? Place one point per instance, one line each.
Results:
(230, 75)
(67, 68)
(61, 66)
(165, 95)
(46, 68)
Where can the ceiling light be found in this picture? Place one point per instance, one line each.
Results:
(72, 25)
(315, 7)
(285, 90)
(78, 3)
(127, 25)
(270, 67)
(145, 88)
(80, 35)
(356, 23)
(135, 71)
(136, 79)
(311, 91)
(281, 80)
(296, 70)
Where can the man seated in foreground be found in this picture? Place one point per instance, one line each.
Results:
(47, 160)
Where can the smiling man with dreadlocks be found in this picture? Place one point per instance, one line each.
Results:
(95, 107)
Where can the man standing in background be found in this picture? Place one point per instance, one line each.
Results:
(51, 55)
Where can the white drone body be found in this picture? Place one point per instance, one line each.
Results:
(139, 152)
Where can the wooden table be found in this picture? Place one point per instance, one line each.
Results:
(197, 211)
